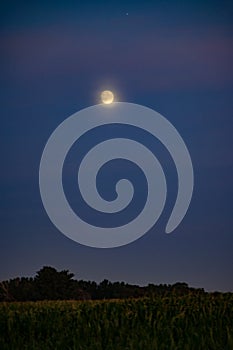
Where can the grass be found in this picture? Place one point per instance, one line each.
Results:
(172, 322)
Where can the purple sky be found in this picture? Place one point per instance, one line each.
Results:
(173, 57)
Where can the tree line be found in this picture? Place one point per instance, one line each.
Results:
(50, 284)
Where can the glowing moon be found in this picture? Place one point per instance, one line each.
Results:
(107, 97)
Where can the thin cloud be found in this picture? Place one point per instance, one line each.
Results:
(184, 58)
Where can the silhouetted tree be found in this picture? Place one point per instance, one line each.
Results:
(53, 285)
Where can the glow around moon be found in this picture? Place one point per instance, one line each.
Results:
(107, 97)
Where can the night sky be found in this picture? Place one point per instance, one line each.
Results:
(172, 56)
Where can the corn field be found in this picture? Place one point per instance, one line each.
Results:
(173, 322)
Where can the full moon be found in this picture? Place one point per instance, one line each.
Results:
(107, 97)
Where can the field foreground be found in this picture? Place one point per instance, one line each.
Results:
(172, 322)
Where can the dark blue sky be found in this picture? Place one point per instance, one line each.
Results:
(175, 57)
